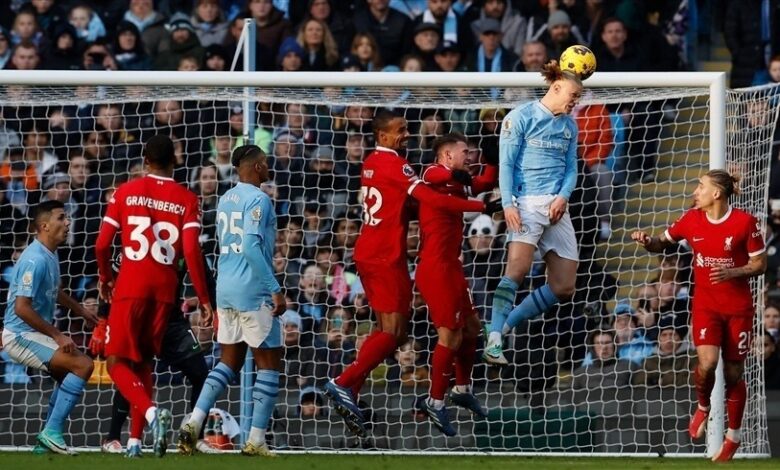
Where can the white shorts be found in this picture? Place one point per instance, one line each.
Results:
(257, 328)
(537, 230)
(30, 348)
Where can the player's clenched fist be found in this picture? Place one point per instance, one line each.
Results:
(641, 237)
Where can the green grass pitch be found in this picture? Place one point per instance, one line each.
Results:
(16, 460)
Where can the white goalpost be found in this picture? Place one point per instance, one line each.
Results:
(655, 133)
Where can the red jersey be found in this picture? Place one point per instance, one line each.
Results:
(441, 232)
(386, 180)
(159, 221)
(728, 242)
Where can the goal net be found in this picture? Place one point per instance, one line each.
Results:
(582, 379)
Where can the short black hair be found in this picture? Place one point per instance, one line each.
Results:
(159, 151)
(383, 119)
(44, 210)
(244, 152)
(447, 139)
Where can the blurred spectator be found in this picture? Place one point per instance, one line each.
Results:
(482, 262)
(559, 34)
(25, 29)
(605, 373)
(12, 220)
(84, 188)
(88, 25)
(286, 165)
(208, 188)
(616, 55)
(366, 50)
(272, 28)
(311, 403)
(37, 152)
(672, 365)
(320, 49)
(188, 64)
(408, 372)
(489, 128)
(751, 34)
(340, 26)
(595, 142)
(631, 343)
(97, 57)
(448, 57)
(5, 48)
(338, 280)
(425, 41)
(451, 26)
(490, 56)
(48, 14)
(316, 225)
(182, 41)
(772, 321)
(391, 29)
(129, 49)
(20, 178)
(216, 59)
(410, 8)
(209, 22)
(767, 350)
(323, 184)
(313, 302)
(345, 233)
(412, 63)
(291, 56)
(56, 187)
(64, 52)
(513, 26)
(534, 55)
(150, 23)
(769, 75)
(24, 57)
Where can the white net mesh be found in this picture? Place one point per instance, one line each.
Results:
(641, 150)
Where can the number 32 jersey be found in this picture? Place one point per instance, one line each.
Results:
(152, 213)
(386, 180)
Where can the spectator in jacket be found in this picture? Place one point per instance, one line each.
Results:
(318, 44)
(150, 23)
(448, 57)
(209, 22)
(595, 143)
(426, 39)
(183, 42)
(290, 57)
(599, 380)
(534, 55)
(491, 56)
(752, 36)
(513, 26)
(560, 34)
(452, 26)
(63, 54)
(672, 365)
(129, 49)
(5, 47)
(272, 28)
(617, 55)
(391, 29)
(24, 57)
(340, 26)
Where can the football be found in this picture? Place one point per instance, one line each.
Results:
(579, 60)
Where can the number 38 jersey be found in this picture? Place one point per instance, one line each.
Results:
(152, 213)
(386, 180)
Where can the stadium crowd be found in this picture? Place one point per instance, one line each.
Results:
(80, 154)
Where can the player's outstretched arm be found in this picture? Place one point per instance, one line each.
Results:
(72, 304)
(755, 266)
(485, 181)
(651, 244)
(426, 195)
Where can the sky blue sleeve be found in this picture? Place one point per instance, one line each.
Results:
(29, 277)
(254, 248)
(570, 172)
(509, 145)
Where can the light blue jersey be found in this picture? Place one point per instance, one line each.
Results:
(537, 153)
(36, 275)
(246, 228)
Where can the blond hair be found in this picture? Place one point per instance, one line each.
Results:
(725, 181)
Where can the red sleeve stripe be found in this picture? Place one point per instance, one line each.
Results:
(756, 253)
(111, 221)
(191, 225)
(412, 186)
(669, 237)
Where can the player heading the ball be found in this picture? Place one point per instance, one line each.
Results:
(728, 249)
(537, 171)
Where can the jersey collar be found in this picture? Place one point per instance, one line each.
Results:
(721, 220)
(379, 148)
(161, 178)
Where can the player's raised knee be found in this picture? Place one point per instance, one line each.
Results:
(84, 367)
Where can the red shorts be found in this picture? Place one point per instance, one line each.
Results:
(136, 328)
(388, 287)
(447, 294)
(733, 333)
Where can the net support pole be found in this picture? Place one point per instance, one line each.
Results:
(247, 373)
(717, 162)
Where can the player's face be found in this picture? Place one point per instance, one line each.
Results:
(705, 194)
(569, 94)
(58, 226)
(262, 169)
(457, 156)
(396, 136)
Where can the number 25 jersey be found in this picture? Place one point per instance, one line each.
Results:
(152, 213)
(386, 181)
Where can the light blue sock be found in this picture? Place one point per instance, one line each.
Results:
(264, 397)
(52, 402)
(216, 383)
(536, 303)
(68, 396)
(503, 300)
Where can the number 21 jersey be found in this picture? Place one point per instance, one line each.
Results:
(386, 181)
(152, 213)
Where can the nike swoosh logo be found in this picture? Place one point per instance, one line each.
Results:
(698, 239)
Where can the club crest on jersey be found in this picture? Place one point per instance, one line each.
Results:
(256, 214)
(703, 333)
(408, 171)
(27, 279)
(507, 125)
(368, 174)
(566, 133)
(727, 246)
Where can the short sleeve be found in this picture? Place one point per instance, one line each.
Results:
(401, 173)
(113, 214)
(29, 277)
(679, 230)
(191, 212)
(755, 241)
(256, 217)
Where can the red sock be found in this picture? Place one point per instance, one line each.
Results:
(464, 361)
(375, 350)
(137, 423)
(131, 386)
(704, 385)
(441, 370)
(736, 396)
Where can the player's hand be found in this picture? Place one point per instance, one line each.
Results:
(719, 274)
(512, 217)
(557, 209)
(280, 304)
(65, 343)
(641, 237)
(206, 315)
(491, 207)
(106, 290)
(91, 317)
(462, 176)
(97, 344)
